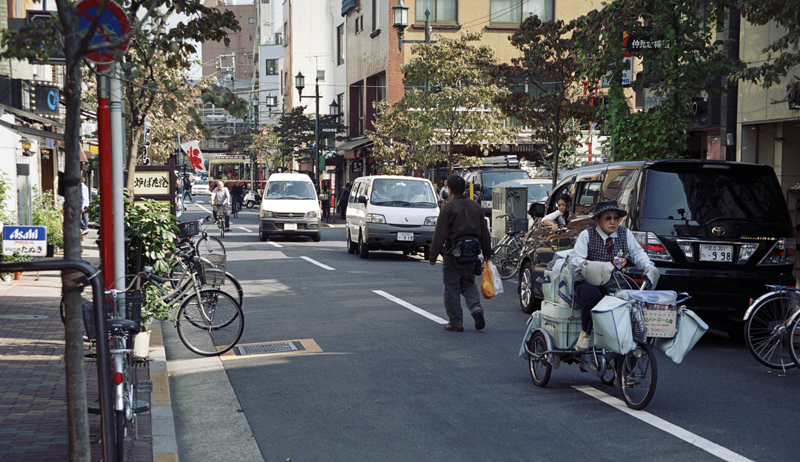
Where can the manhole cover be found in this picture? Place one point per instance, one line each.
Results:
(266, 348)
(23, 317)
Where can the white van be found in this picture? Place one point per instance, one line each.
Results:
(391, 213)
(290, 207)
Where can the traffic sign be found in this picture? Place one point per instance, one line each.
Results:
(113, 24)
(25, 240)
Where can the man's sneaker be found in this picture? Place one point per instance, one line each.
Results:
(480, 323)
(85, 231)
(583, 342)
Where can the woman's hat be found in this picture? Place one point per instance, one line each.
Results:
(605, 206)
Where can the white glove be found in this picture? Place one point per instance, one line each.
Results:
(651, 274)
(597, 273)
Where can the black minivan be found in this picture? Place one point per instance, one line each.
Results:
(718, 230)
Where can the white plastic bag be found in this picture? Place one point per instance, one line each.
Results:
(690, 329)
(496, 279)
(612, 325)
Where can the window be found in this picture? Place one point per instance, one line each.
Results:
(272, 67)
(587, 197)
(375, 17)
(359, 23)
(515, 11)
(340, 45)
(441, 10)
(251, 20)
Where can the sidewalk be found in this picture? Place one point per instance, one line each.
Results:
(33, 419)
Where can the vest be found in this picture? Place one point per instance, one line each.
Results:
(597, 245)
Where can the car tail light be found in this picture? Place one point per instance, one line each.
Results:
(782, 253)
(746, 251)
(652, 245)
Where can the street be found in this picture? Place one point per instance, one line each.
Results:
(375, 377)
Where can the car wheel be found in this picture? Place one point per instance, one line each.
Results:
(527, 301)
(363, 248)
(249, 204)
(317, 237)
(351, 246)
(261, 235)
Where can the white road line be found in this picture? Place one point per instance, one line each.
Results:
(411, 307)
(244, 229)
(661, 424)
(274, 244)
(311, 260)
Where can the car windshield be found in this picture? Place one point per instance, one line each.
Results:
(538, 192)
(290, 190)
(707, 195)
(402, 193)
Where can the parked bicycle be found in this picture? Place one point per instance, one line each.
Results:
(771, 330)
(506, 253)
(205, 244)
(181, 266)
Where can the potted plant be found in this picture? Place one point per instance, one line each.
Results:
(47, 212)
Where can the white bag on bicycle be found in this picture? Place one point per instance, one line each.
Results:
(689, 330)
(612, 325)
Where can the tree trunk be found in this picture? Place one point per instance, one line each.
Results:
(133, 153)
(77, 416)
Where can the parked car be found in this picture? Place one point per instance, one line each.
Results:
(718, 230)
(290, 207)
(391, 213)
(200, 187)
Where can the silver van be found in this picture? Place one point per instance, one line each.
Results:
(391, 213)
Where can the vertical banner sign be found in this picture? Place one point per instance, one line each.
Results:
(192, 150)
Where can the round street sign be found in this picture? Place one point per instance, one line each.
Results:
(112, 25)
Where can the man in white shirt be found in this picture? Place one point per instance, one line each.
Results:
(84, 207)
(591, 261)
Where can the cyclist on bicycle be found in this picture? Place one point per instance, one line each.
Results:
(221, 201)
(237, 195)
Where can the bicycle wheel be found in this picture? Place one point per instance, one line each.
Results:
(794, 342)
(506, 258)
(231, 287)
(209, 244)
(221, 228)
(638, 376)
(538, 366)
(765, 332)
(211, 324)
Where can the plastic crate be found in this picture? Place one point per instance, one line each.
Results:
(212, 269)
(187, 229)
(562, 323)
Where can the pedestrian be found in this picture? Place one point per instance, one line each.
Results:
(461, 235)
(237, 194)
(558, 219)
(325, 198)
(591, 260)
(344, 197)
(84, 207)
(187, 188)
(220, 201)
(444, 193)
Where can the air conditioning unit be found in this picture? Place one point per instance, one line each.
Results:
(278, 38)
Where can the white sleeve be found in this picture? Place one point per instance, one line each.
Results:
(552, 216)
(579, 252)
(638, 255)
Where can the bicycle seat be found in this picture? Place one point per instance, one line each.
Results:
(124, 324)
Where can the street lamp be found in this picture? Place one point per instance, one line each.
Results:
(400, 22)
(300, 84)
(334, 110)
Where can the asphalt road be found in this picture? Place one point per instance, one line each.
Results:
(376, 377)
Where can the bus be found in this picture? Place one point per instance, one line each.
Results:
(233, 168)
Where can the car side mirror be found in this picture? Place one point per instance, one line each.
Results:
(536, 210)
(362, 199)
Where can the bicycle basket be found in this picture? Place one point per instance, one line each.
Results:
(188, 228)
(212, 271)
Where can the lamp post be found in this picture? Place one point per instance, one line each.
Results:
(400, 22)
(300, 83)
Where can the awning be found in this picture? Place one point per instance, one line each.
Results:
(32, 131)
(354, 144)
(32, 117)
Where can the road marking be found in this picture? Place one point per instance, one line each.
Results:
(661, 424)
(411, 307)
(244, 229)
(311, 260)
(274, 244)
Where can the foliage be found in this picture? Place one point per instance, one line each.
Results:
(690, 62)
(7, 216)
(401, 145)
(262, 146)
(546, 91)
(294, 135)
(449, 100)
(49, 213)
(784, 53)
(150, 224)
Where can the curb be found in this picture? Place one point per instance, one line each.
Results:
(165, 444)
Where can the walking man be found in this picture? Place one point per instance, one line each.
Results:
(344, 197)
(84, 207)
(461, 235)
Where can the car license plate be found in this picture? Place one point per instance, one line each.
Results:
(405, 236)
(290, 226)
(711, 252)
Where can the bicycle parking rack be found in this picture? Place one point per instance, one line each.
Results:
(95, 278)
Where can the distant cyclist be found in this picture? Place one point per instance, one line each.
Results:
(220, 201)
(237, 195)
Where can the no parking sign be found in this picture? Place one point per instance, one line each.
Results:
(112, 25)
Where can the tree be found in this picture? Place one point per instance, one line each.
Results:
(295, 133)
(547, 93)
(449, 100)
(38, 41)
(784, 53)
(401, 146)
(685, 60)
